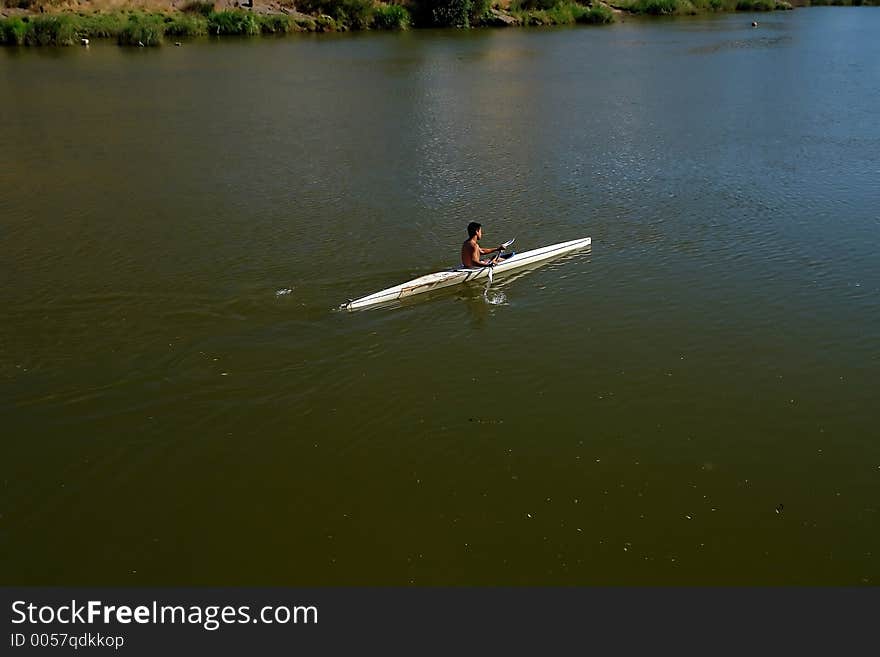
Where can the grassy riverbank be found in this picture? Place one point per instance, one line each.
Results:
(147, 28)
(51, 22)
(693, 7)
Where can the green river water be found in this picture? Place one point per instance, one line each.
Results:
(691, 401)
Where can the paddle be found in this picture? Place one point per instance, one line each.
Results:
(492, 266)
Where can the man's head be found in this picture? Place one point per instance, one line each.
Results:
(474, 228)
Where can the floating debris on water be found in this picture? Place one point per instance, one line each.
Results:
(480, 420)
(283, 291)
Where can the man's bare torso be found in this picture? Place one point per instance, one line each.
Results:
(470, 253)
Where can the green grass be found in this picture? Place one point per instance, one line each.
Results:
(128, 29)
(559, 12)
(595, 15)
(276, 24)
(13, 31)
(346, 14)
(391, 17)
(101, 26)
(237, 22)
(448, 13)
(689, 7)
(756, 5)
(146, 29)
(307, 24)
(658, 7)
(185, 25)
(59, 30)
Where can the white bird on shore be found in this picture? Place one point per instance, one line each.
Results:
(85, 42)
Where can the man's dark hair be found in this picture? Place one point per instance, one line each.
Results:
(473, 227)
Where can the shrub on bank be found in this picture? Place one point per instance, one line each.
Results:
(142, 30)
(275, 24)
(99, 26)
(236, 22)
(13, 31)
(678, 7)
(566, 13)
(595, 15)
(325, 24)
(479, 11)
(354, 14)
(391, 17)
(305, 23)
(756, 5)
(449, 13)
(559, 12)
(347, 14)
(50, 31)
(185, 25)
(762, 5)
(452, 13)
(656, 7)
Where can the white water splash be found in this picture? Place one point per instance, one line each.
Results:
(494, 297)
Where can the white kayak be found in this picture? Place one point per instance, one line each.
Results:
(449, 277)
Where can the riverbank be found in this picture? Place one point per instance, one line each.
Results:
(155, 22)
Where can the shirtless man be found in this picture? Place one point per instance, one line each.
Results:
(471, 250)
